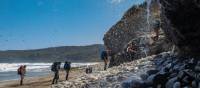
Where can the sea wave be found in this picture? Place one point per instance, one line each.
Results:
(7, 67)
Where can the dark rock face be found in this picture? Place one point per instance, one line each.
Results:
(181, 24)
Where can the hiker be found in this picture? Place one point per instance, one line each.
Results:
(104, 57)
(156, 28)
(21, 71)
(130, 51)
(55, 68)
(67, 68)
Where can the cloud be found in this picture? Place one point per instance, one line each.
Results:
(116, 1)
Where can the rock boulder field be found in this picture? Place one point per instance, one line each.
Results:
(157, 71)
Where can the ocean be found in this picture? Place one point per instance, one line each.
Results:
(8, 71)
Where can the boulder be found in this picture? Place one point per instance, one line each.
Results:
(177, 85)
(126, 29)
(133, 28)
(151, 72)
(133, 84)
(171, 82)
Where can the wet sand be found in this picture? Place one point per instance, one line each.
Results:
(41, 82)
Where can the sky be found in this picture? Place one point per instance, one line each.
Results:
(34, 24)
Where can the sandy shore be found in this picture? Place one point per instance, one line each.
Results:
(41, 82)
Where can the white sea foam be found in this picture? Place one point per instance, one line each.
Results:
(7, 67)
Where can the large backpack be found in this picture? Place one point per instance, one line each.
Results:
(104, 55)
(19, 70)
(54, 67)
(67, 65)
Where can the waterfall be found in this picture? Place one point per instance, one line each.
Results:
(158, 2)
(146, 40)
(173, 50)
(148, 14)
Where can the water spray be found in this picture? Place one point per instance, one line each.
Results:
(147, 32)
(148, 14)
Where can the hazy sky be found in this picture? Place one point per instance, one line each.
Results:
(32, 24)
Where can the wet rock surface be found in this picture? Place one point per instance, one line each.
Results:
(180, 22)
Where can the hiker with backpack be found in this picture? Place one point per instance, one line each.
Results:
(55, 68)
(104, 57)
(21, 71)
(67, 67)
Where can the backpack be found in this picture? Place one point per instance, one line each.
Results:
(103, 55)
(19, 70)
(67, 65)
(53, 67)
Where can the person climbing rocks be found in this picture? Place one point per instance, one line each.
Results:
(55, 68)
(67, 67)
(131, 50)
(104, 57)
(156, 29)
(21, 71)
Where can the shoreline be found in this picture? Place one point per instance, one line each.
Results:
(25, 77)
(9, 73)
(43, 81)
(38, 82)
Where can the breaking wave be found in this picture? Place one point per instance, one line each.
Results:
(7, 67)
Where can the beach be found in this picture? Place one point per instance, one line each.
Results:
(41, 82)
(44, 81)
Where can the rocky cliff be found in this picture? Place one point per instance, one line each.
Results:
(181, 23)
(134, 28)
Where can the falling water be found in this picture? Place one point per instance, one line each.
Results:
(146, 40)
(143, 47)
(158, 2)
(148, 14)
(173, 49)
